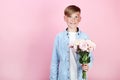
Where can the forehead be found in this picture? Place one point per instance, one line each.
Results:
(75, 14)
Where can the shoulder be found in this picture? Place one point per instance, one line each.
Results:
(60, 34)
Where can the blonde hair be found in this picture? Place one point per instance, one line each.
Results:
(71, 9)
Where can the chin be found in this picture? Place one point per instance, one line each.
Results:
(73, 26)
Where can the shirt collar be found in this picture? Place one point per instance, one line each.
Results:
(78, 31)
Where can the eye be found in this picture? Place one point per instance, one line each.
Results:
(70, 16)
(76, 16)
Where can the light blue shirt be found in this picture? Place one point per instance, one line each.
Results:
(60, 63)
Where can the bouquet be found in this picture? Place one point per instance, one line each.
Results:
(83, 48)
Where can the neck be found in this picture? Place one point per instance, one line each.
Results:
(72, 29)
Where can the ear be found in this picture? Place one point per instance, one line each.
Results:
(65, 18)
(80, 19)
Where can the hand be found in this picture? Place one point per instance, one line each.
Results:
(85, 67)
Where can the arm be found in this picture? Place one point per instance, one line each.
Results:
(54, 62)
(85, 67)
(90, 54)
(91, 59)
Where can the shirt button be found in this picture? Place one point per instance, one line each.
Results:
(67, 43)
(68, 69)
(67, 59)
(68, 77)
(68, 51)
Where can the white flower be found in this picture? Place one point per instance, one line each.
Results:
(91, 45)
(84, 45)
(77, 42)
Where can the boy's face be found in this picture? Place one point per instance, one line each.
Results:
(73, 20)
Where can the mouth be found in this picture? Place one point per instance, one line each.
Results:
(73, 23)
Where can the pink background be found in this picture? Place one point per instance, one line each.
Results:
(28, 28)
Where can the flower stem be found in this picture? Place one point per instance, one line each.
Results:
(84, 75)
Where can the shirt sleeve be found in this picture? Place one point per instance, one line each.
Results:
(54, 61)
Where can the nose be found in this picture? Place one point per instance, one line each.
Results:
(73, 19)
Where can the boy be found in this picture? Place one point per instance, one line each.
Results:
(65, 62)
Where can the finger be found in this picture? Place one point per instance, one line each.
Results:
(85, 65)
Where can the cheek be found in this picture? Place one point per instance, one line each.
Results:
(68, 20)
(65, 19)
(78, 20)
